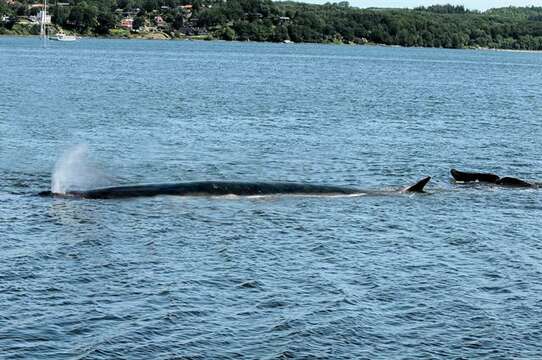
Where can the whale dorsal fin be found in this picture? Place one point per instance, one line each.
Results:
(418, 187)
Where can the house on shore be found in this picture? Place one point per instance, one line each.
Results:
(187, 8)
(35, 6)
(160, 22)
(127, 23)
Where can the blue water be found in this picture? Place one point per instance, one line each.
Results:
(455, 273)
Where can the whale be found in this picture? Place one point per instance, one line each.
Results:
(223, 188)
(466, 177)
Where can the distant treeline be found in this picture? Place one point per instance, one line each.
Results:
(444, 26)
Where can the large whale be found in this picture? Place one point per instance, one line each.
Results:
(462, 176)
(220, 188)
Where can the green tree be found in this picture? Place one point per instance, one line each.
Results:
(105, 21)
(83, 17)
(178, 22)
(227, 33)
(139, 22)
(60, 14)
(4, 9)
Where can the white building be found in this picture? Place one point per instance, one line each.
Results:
(41, 16)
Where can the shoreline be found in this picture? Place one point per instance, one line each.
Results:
(209, 38)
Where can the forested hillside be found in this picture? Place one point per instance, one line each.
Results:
(263, 20)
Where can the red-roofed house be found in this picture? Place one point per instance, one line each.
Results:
(127, 23)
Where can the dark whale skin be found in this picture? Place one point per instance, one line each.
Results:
(221, 188)
(489, 178)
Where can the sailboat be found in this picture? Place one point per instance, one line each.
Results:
(59, 36)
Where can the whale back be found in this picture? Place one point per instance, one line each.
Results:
(473, 177)
(511, 181)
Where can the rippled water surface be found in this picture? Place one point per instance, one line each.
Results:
(453, 273)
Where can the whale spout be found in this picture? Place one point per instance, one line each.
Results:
(419, 186)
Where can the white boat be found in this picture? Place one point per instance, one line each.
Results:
(63, 37)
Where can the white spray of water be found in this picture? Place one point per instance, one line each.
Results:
(74, 171)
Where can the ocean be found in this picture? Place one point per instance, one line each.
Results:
(452, 273)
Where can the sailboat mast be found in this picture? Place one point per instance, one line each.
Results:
(43, 27)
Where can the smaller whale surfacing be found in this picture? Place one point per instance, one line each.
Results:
(466, 177)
